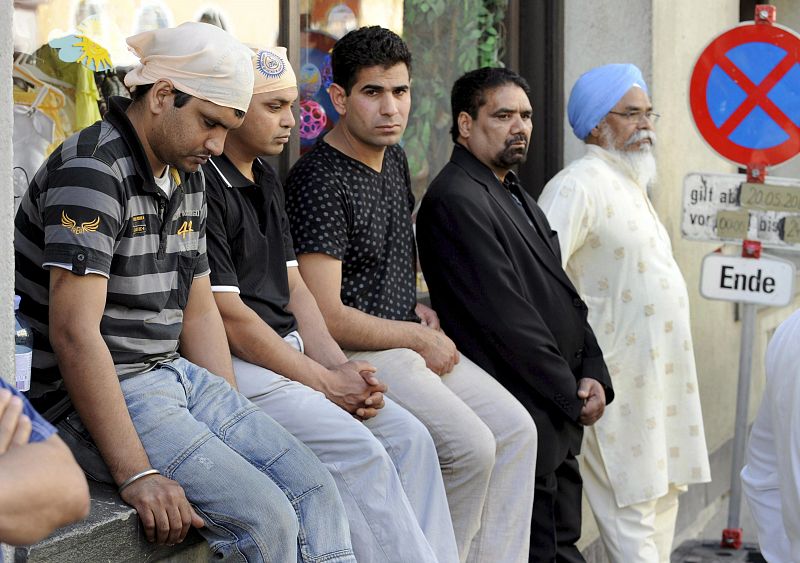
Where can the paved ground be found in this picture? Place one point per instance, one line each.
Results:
(703, 549)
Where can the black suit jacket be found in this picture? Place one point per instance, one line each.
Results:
(504, 299)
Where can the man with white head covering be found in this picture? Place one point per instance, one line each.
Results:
(111, 266)
(286, 361)
(645, 450)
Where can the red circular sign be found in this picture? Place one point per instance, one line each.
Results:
(723, 95)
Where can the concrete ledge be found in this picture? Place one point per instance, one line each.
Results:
(111, 533)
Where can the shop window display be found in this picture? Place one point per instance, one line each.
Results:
(71, 55)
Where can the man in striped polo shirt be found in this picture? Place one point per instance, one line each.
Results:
(111, 266)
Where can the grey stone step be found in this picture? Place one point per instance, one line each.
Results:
(111, 533)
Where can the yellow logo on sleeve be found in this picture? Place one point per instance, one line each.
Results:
(86, 226)
(186, 228)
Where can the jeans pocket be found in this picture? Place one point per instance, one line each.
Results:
(77, 437)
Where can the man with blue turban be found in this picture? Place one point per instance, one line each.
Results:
(643, 453)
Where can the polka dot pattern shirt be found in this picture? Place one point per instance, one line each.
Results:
(343, 208)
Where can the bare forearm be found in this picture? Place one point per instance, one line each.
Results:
(203, 340)
(88, 371)
(356, 330)
(319, 344)
(254, 341)
(41, 489)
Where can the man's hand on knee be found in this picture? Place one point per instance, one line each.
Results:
(162, 506)
(440, 353)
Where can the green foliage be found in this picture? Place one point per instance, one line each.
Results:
(447, 38)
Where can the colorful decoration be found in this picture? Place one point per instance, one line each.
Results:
(81, 49)
(310, 81)
(327, 72)
(312, 120)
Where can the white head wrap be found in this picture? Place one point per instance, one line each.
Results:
(199, 59)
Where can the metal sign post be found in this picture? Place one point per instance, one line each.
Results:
(732, 535)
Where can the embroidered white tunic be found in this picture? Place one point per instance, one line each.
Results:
(618, 254)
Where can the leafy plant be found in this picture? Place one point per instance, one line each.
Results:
(447, 38)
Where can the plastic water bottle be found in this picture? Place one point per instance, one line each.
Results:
(23, 340)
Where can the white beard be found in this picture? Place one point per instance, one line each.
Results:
(642, 162)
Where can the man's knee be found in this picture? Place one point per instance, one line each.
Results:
(524, 434)
(475, 449)
(267, 525)
(404, 359)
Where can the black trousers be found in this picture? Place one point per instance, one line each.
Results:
(556, 522)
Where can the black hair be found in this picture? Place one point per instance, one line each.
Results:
(181, 98)
(469, 91)
(367, 47)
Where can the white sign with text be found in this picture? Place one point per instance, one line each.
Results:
(763, 281)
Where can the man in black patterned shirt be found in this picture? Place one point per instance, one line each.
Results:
(349, 204)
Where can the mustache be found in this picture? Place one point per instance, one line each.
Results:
(641, 136)
(519, 137)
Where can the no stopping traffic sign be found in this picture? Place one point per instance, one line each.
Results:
(745, 94)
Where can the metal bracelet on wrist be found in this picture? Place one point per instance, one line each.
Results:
(131, 480)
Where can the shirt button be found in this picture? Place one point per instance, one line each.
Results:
(579, 353)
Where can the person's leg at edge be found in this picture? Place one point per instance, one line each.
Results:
(383, 524)
(283, 506)
(504, 534)
(464, 444)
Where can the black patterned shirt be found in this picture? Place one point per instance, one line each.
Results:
(343, 208)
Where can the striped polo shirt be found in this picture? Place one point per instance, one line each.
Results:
(94, 208)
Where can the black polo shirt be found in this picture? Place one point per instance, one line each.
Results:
(249, 242)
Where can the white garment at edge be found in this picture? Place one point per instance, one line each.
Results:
(618, 254)
(771, 478)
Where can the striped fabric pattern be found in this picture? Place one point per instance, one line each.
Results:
(93, 207)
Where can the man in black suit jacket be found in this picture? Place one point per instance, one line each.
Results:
(494, 271)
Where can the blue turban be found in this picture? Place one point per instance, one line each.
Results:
(597, 91)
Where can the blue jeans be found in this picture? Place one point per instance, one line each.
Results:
(263, 495)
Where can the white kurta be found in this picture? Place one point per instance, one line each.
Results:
(618, 254)
(771, 478)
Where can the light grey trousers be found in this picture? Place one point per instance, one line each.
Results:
(386, 469)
